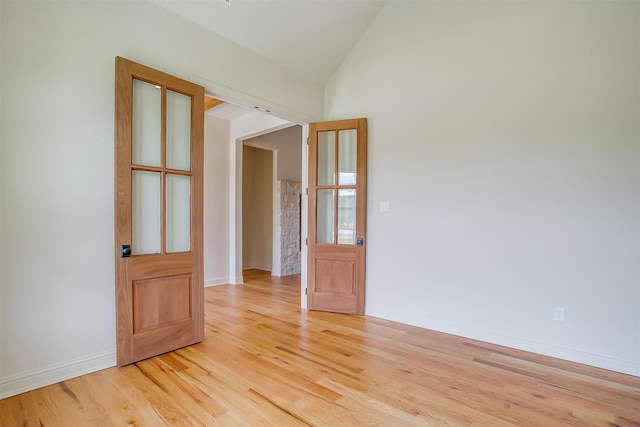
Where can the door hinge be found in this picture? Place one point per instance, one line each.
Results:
(306, 241)
(307, 140)
(305, 291)
(307, 191)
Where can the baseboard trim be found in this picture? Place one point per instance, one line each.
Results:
(216, 281)
(237, 280)
(27, 381)
(262, 267)
(572, 355)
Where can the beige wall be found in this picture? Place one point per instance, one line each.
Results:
(257, 208)
(287, 144)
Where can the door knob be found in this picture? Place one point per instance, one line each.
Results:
(125, 251)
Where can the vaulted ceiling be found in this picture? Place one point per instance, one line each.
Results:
(309, 37)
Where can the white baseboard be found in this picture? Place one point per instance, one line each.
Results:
(216, 281)
(26, 381)
(263, 267)
(572, 355)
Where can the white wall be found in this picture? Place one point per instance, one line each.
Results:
(216, 201)
(2, 296)
(57, 84)
(506, 137)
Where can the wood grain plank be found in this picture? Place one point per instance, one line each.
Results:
(211, 102)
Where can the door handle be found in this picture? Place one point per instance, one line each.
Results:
(360, 241)
(125, 251)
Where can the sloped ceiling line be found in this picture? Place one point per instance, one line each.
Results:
(308, 37)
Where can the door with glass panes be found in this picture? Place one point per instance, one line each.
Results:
(337, 216)
(158, 212)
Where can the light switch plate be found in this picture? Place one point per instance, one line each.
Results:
(384, 206)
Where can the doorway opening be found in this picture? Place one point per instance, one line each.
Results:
(271, 202)
(285, 141)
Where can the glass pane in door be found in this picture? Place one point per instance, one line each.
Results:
(347, 156)
(325, 216)
(347, 216)
(178, 213)
(178, 131)
(145, 212)
(146, 124)
(326, 158)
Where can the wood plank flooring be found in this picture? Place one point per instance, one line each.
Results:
(265, 362)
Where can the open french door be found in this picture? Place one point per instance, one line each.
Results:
(337, 216)
(159, 137)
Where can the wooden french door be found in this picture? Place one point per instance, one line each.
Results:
(337, 216)
(159, 137)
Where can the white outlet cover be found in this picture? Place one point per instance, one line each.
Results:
(384, 206)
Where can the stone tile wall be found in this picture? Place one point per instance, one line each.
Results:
(290, 255)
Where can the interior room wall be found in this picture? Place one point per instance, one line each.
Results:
(287, 143)
(1, 185)
(216, 196)
(57, 82)
(257, 208)
(505, 137)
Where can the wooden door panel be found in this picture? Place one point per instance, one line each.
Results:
(160, 295)
(332, 303)
(336, 285)
(337, 216)
(160, 302)
(171, 265)
(163, 339)
(335, 277)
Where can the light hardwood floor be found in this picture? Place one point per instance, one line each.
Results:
(266, 363)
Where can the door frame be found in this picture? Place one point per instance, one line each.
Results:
(237, 97)
(235, 206)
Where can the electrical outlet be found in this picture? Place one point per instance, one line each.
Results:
(558, 314)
